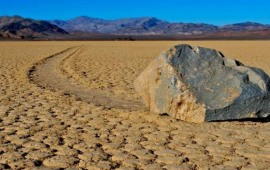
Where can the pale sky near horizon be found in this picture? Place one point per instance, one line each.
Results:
(208, 11)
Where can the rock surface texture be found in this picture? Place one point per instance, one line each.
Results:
(197, 84)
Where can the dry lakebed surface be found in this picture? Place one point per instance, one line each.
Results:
(72, 105)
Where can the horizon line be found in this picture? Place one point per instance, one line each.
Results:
(135, 18)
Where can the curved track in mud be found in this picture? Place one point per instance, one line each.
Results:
(49, 74)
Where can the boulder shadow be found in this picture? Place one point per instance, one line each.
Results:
(259, 120)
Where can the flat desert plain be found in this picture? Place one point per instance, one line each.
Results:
(72, 105)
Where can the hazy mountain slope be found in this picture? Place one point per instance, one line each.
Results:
(244, 26)
(18, 27)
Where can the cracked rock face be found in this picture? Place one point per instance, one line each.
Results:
(197, 84)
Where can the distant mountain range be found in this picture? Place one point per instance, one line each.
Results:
(133, 26)
(148, 27)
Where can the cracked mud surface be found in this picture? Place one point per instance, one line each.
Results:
(78, 110)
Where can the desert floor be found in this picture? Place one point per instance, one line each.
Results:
(71, 105)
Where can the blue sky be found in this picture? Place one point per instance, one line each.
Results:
(203, 11)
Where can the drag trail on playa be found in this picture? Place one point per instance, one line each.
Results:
(72, 105)
(51, 73)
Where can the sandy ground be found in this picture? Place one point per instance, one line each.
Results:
(71, 105)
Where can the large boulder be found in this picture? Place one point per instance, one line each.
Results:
(197, 84)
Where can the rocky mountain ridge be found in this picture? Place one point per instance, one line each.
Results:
(25, 28)
(148, 26)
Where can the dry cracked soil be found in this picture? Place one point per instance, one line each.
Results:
(72, 105)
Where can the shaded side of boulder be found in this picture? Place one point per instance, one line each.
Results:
(198, 84)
